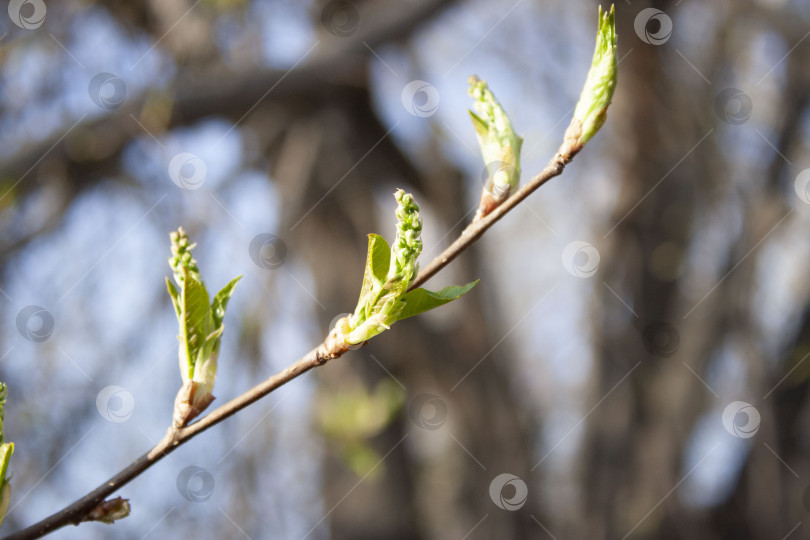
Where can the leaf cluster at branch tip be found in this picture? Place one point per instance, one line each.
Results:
(201, 325)
(390, 270)
(500, 146)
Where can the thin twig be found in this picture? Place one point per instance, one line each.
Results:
(76, 511)
(477, 228)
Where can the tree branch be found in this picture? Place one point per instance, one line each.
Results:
(76, 511)
(476, 229)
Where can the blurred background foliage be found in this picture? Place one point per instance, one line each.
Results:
(596, 372)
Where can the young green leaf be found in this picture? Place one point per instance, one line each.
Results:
(196, 321)
(379, 253)
(420, 300)
(175, 296)
(5, 491)
(6, 450)
(377, 262)
(221, 299)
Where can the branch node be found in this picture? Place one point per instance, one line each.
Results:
(188, 405)
(107, 511)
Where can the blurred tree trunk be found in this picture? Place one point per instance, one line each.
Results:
(771, 499)
(653, 370)
(633, 457)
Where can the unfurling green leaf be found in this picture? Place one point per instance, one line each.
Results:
(221, 299)
(377, 263)
(196, 323)
(6, 450)
(384, 297)
(5, 495)
(420, 300)
(591, 110)
(500, 147)
(201, 325)
(175, 296)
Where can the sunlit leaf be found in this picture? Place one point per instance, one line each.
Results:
(420, 300)
(175, 296)
(377, 261)
(374, 276)
(220, 302)
(196, 320)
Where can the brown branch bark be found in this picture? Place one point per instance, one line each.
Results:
(76, 511)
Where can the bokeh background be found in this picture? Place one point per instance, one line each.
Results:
(634, 358)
